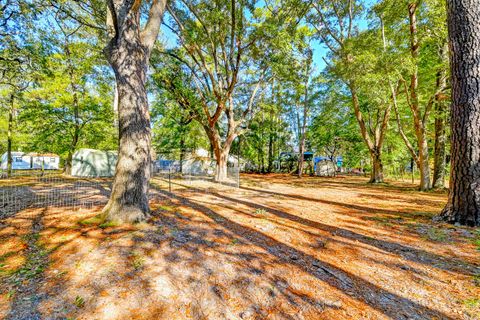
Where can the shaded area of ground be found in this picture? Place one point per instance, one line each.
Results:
(277, 248)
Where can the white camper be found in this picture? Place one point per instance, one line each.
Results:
(47, 161)
(20, 161)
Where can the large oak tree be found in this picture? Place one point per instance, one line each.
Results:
(128, 52)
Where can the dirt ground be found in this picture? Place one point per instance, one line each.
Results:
(277, 248)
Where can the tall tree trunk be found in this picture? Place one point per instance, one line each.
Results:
(303, 128)
(76, 109)
(129, 198)
(182, 148)
(419, 121)
(270, 151)
(375, 147)
(11, 112)
(463, 205)
(441, 112)
(301, 156)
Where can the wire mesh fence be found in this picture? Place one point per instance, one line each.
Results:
(26, 189)
(36, 189)
(194, 178)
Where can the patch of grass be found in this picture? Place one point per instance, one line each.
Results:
(79, 302)
(60, 274)
(476, 239)
(137, 261)
(476, 242)
(473, 307)
(260, 212)
(234, 241)
(5, 256)
(34, 266)
(31, 237)
(384, 221)
(173, 231)
(108, 224)
(472, 303)
(419, 214)
(437, 235)
(476, 279)
(10, 294)
(165, 208)
(91, 221)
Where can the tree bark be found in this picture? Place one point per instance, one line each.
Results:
(76, 110)
(424, 166)
(10, 135)
(270, 150)
(300, 156)
(376, 175)
(128, 52)
(182, 150)
(439, 161)
(419, 121)
(463, 205)
(375, 147)
(220, 151)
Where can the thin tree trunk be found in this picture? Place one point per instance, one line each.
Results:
(463, 205)
(300, 156)
(441, 112)
(270, 151)
(375, 148)
(68, 162)
(10, 135)
(419, 120)
(439, 161)
(303, 128)
(76, 110)
(182, 149)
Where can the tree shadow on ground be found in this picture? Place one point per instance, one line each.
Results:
(25, 282)
(407, 252)
(388, 303)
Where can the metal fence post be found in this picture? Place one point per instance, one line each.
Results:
(169, 179)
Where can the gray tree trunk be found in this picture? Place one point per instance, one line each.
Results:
(463, 205)
(441, 112)
(439, 161)
(10, 135)
(376, 175)
(128, 52)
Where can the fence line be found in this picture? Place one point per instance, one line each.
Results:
(49, 189)
(44, 189)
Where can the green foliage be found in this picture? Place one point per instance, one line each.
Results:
(79, 302)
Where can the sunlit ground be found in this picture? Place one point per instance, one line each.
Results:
(277, 248)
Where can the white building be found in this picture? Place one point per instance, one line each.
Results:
(47, 161)
(20, 161)
(23, 161)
